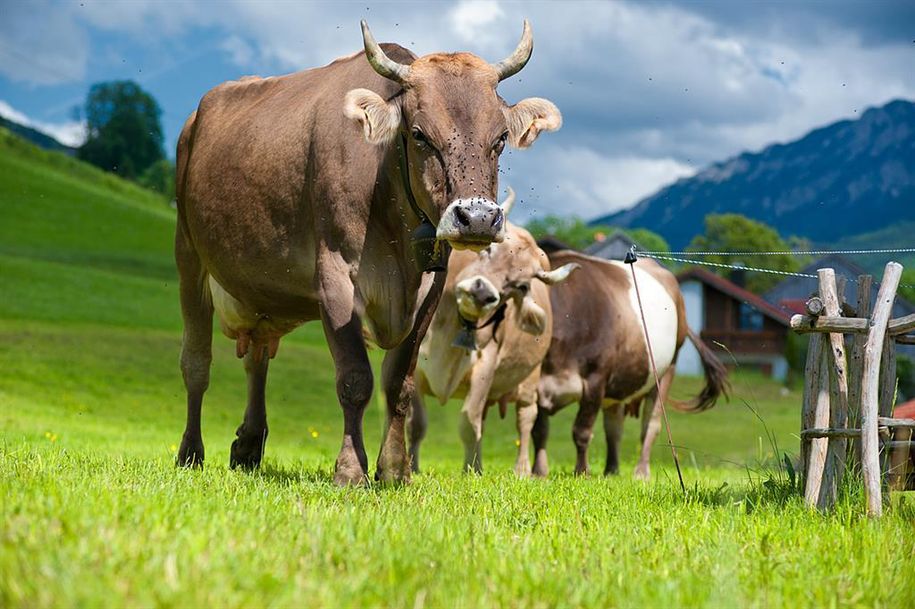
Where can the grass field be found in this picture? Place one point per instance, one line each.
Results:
(95, 514)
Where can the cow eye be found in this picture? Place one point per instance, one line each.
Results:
(420, 138)
(522, 287)
(499, 146)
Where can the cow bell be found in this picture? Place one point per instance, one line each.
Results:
(465, 339)
(428, 252)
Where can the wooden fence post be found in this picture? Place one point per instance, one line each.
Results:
(816, 406)
(870, 387)
(855, 366)
(838, 384)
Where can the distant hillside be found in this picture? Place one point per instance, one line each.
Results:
(851, 177)
(39, 138)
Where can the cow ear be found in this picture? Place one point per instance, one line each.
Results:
(380, 120)
(528, 118)
(532, 318)
(557, 275)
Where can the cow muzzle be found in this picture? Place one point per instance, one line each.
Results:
(472, 224)
(477, 297)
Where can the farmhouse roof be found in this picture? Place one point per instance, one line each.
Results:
(738, 293)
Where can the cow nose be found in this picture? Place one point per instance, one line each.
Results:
(472, 223)
(476, 297)
(482, 293)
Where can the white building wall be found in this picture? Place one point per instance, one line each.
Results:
(688, 362)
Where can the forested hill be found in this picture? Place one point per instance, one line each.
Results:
(848, 178)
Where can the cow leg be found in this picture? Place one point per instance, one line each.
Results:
(343, 330)
(613, 431)
(583, 428)
(397, 376)
(251, 436)
(474, 408)
(196, 343)
(651, 425)
(540, 433)
(526, 415)
(417, 423)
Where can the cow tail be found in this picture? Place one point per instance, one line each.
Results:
(716, 381)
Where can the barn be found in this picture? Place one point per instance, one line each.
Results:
(740, 325)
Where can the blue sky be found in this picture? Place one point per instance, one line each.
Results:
(650, 91)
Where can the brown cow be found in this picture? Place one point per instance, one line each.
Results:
(599, 358)
(279, 181)
(487, 339)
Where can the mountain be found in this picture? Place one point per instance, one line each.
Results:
(848, 178)
(39, 138)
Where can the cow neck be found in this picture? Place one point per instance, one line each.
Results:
(405, 176)
(466, 338)
(430, 254)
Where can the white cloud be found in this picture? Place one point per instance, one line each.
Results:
(69, 133)
(649, 91)
(39, 44)
(584, 182)
(470, 18)
(241, 52)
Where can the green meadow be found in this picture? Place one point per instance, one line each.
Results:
(94, 513)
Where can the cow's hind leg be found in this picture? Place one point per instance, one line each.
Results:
(613, 431)
(583, 428)
(651, 424)
(196, 343)
(417, 422)
(248, 447)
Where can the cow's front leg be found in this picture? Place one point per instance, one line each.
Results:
(417, 423)
(540, 434)
(527, 414)
(474, 408)
(343, 330)
(397, 375)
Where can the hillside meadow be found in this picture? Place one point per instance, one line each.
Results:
(94, 513)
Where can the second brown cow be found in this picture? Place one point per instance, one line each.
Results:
(598, 356)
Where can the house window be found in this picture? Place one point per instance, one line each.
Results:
(750, 318)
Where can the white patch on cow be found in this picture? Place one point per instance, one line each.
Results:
(561, 389)
(232, 313)
(661, 319)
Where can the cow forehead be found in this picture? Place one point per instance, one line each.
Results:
(461, 65)
(509, 260)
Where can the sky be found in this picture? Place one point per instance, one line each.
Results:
(650, 91)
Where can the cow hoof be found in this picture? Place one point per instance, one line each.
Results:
(191, 453)
(540, 473)
(246, 453)
(523, 471)
(348, 471)
(392, 476)
(642, 473)
(247, 449)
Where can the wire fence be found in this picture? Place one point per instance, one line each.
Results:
(676, 257)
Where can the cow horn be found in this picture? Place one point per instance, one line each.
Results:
(557, 275)
(509, 202)
(382, 64)
(513, 64)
